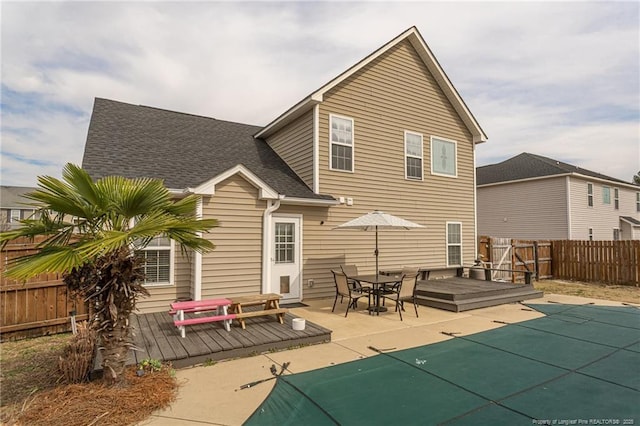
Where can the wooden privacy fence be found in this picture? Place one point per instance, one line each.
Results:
(611, 262)
(39, 306)
(517, 255)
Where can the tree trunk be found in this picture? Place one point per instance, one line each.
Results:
(115, 344)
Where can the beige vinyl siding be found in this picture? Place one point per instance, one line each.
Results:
(603, 218)
(234, 267)
(395, 93)
(535, 209)
(294, 143)
(162, 296)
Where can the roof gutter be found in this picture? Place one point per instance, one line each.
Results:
(309, 202)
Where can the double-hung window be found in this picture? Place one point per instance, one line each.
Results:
(454, 244)
(443, 157)
(341, 137)
(616, 199)
(15, 216)
(590, 194)
(590, 234)
(413, 155)
(606, 195)
(158, 261)
(638, 201)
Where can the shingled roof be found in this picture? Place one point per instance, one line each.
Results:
(530, 166)
(182, 149)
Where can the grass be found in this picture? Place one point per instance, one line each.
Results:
(618, 293)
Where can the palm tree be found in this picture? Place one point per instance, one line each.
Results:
(92, 233)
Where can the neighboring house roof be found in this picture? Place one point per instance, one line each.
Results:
(12, 196)
(531, 166)
(416, 40)
(184, 150)
(630, 220)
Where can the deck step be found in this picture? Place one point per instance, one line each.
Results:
(478, 302)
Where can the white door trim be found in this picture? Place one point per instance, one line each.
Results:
(273, 287)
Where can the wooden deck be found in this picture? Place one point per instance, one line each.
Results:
(157, 337)
(459, 294)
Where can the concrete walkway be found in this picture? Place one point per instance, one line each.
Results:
(210, 394)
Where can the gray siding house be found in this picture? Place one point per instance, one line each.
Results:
(12, 206)
(390, 133)
(534, 197)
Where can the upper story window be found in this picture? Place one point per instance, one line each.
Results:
(454, 243)
(638, 201)
(616, 199)
(341, 136)
(413, 155)
(158, 261)
(443, 157)
(606, 195)
(590, 194)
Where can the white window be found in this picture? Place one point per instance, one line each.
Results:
(590, 194)
(606, 195)
(413, 155)
(454, 244)
(616, 234)
(341, 137)
(443, 157)
(158, 261)
(15, 216)
(616, 199)
(590, 234)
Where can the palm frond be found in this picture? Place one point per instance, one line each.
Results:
(48, 259)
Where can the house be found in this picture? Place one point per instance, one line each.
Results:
(534, 197)
(390, 133)
(13, 206)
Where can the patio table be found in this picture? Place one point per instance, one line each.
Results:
(377, 280)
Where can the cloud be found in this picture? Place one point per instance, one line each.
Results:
(555, 79)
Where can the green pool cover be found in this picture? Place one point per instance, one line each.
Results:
(578, 365)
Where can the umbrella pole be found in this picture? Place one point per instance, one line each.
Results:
(376, 252)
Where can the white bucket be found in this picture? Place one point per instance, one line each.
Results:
(298, 324)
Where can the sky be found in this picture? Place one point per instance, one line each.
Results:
(558, 79)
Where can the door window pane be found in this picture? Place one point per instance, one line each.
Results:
(285, 243)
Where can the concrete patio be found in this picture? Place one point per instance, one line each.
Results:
(212, 395)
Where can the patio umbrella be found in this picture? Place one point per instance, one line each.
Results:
(378, 220)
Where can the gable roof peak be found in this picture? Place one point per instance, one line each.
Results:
(417, 41)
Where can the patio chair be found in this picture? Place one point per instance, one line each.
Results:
(352, 271)
(403, 290)
(344, 290)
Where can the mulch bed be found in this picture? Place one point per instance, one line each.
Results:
(96, 404)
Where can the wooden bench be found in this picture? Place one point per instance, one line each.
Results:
(178, 309)
(424, 272)
(270, 303)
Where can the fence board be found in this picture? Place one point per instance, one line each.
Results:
(611, 262)
(39, 306)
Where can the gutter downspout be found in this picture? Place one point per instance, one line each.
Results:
(475, 207)
(197, 260)
(272, 205)
(316, 148)
(569, 224)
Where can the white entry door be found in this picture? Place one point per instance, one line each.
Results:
(286, 253)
